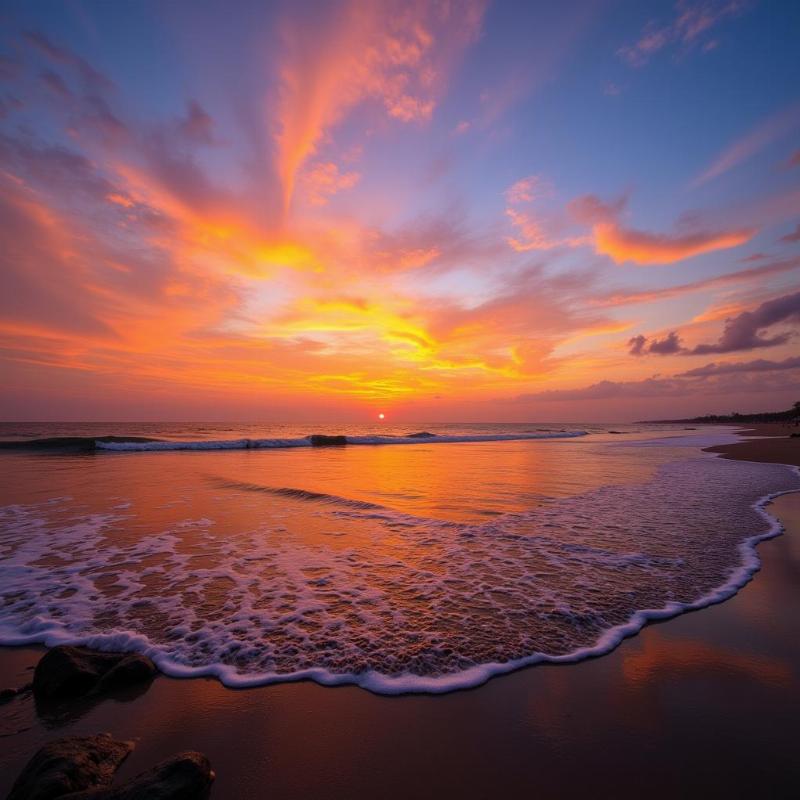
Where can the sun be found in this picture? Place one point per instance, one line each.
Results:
(381, 415)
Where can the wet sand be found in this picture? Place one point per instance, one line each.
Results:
(777, 448)
(702, 705)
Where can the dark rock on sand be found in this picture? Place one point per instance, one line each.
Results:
(7, 695)
(183, 777)
(70, 765)
(66, 671)
(321, 440)
(421, 435)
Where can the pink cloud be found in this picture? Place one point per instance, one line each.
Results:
(524, 190)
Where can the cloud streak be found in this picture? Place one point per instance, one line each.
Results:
(690, 29)
(764, 134)
(394, 54)
(714, 379)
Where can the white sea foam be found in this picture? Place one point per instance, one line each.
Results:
(407, 604)
(245, 444)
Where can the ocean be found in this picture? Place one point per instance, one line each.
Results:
(247, 553)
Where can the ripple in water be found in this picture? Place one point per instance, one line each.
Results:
(411, 604)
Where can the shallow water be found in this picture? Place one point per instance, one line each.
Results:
(426, 567)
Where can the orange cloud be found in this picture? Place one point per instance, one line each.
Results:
(120, 200)
(188, 281)
(532, 226)
(623, 244)
(534, 237)
(324, 180)
(393, 53)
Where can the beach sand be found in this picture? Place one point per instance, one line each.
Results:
(704, 705)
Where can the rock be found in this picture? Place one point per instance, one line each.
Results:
(183, 777)
(7, 695)
(70, 765)
(321, 440)
(421, 435)
(66, 671)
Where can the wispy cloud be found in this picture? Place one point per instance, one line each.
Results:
(536, 230)
(92, 78)
(280, 240)
(732, 367)
(714, 379)
(690, 28)
(739, 278)
(792, 237)
(324, 179)
(392, 53)
(764, 134)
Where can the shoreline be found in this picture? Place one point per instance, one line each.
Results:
(530, 711)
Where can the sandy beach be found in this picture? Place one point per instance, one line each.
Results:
(701, 705)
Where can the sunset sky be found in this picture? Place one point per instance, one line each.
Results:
(442, 211)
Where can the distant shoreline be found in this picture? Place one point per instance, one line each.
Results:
(790, 416)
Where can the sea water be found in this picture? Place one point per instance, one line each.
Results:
(466, 553)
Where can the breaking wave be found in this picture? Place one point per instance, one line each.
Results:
(391, 602)
(309, 441)
(300, 494)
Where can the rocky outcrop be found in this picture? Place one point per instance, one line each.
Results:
(185, 776)
(83, 767)
(65, 672)
(421, 435)
(7, 695)
(70, 765)
(321, 440)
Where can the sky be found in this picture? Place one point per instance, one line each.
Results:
(440, 211)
